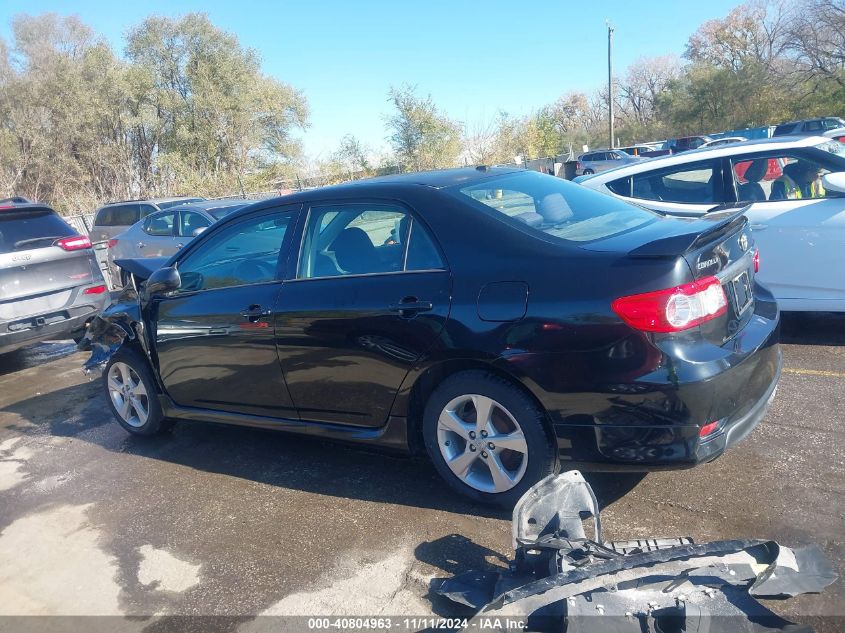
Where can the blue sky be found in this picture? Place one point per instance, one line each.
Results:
(474, 58)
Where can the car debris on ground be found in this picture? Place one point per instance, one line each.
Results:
(561, 579)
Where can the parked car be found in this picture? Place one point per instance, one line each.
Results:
(686, 143)
(797, 213)
(602, 160)
(116, 217)
(831, 127)
(637, 150)
(50, 284)
(163, 233)
(725, 140)
(514, 320)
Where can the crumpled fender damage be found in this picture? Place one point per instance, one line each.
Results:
(562, 580)
(119, 322)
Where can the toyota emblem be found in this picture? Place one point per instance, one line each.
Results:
(743, 242)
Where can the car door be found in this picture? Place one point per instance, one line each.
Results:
(370, 296)
(214, 336)
(688, 189)
(801, 241)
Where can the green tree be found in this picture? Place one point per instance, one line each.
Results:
(421, 136)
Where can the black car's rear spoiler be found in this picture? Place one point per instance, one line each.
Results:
(141, 268)
(717, 222)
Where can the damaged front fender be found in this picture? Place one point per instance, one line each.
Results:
(119, 322)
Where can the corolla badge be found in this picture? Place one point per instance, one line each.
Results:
(705, 263)
(743, 242)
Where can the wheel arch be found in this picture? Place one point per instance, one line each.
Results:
(432, 376)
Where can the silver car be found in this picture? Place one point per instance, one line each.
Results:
(116, 217)
(601, 160)
(163, 233)
(50, 284)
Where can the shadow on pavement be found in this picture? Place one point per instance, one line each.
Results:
(35, 354)
(268, 457)
(813, 328)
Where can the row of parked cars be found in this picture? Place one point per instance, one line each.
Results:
(51, 282)
(600, 160)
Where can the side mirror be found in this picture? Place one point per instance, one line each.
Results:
(834, 181)
(197, 231)
(162, 281)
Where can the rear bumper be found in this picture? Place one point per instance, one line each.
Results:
(651, 419)
(77, 316)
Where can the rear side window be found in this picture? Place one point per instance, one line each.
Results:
(556, 207)
(692, 183)
(783, 130)
(118, 215)
(365, 239)
(25, 230)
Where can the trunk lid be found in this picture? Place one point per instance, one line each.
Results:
(718, 244)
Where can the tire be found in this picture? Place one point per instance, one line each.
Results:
(588, 172)
(462, 453)
(143, 414)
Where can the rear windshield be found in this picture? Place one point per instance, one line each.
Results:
(557, 207)
(782, 130)
(25, 230)
(174, 203)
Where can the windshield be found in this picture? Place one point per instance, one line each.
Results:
(834, 147)
(173, 203)
(556, 207)
(221, 212)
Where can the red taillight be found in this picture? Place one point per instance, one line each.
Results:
(75, 243)
(673, 309)
(111, 243)
(708, 428)
(94, 290)
(756, 260)
(577, 164)
(841, 139)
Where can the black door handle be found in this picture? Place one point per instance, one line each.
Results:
(254, 312)
(410, 306)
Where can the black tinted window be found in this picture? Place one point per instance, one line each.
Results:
(693, 183)
(621, 187)
(119, 215)
(23, 230)
(422, 253)
(783, 130)
(244, 253)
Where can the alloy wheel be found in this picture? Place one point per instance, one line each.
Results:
(482, 443)
(128, 394)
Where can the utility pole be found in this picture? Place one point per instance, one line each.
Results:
(610, 79)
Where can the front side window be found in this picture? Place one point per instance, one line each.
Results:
(245, 253)
(778, 176)
(364, 239)
(692, 183)
(556, 207)
(192, 223)
(160, 224)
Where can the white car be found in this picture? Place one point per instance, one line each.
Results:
(796, 189)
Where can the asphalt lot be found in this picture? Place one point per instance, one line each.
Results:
(215, 520)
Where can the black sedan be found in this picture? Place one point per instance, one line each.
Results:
(501, 321)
